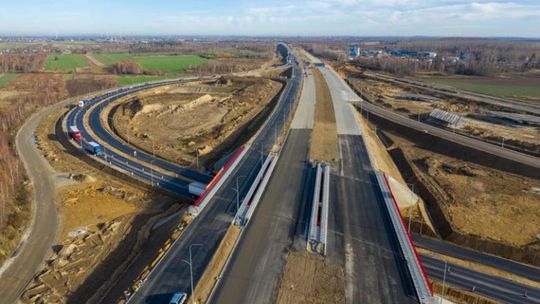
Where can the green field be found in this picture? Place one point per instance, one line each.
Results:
(167, 64)
(6, 78)
(127, 80)
(11, 45)
(64, 63)
(500, 90)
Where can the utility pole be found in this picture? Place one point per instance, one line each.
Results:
(410, 209)
(152, 171)
(444, 281)
(190, 263)
(237, 190)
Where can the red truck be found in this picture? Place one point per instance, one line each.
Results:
(75, 133)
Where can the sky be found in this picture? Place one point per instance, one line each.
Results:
(271, 18)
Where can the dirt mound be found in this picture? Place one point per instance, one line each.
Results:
(68, 269)
(192, 119)
(480, 201)
(309, 278)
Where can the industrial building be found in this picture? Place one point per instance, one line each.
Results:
(444, 118)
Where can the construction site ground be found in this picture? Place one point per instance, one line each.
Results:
(478, 200)
(324, 145)
(105, 222)
(382, 161)
(202, 116)
(310, 279)
(386, 95)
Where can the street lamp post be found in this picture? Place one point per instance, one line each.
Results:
(152, 171)
(190, 263)
(410, 208)
(444, 281)
(237, 190)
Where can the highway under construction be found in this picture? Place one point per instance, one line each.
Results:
(303, 187)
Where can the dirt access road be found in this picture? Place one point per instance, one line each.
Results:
(36, 243)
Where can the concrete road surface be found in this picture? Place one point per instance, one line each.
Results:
(257, 263)
(375, 269)
(37, 242)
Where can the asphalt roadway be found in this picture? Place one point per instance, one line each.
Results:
(494, 287)
(453, 137)
(171, 274)
(37, 242)
(501, 102)
(462, 253)
(141, 168)
(257, 263)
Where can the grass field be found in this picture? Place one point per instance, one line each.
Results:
(11, 45)
(6, 78)
(167, 64)
(64, 63)
(127, 80)
(497, 88)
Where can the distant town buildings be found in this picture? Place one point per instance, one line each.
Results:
(354, 51)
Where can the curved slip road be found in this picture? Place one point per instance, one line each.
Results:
(142, 168)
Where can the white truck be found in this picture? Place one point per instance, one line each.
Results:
(196, 188)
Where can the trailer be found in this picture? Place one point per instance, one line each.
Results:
(74, 133)
(196, 188)
(94, 148)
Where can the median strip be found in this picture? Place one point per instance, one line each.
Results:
(251, 200)
(318, 224)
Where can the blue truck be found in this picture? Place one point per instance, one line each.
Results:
(94, 148)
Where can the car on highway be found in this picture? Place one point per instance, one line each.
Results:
(178, 298)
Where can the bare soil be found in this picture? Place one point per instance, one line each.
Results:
(200, 115)
(481, 201)
(384, 94)
(324, 139)
(309, 278)
(105, 222)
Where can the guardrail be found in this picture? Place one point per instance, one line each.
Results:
(217, 181)
(318, 224)
(251, 200)
(416, 269)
